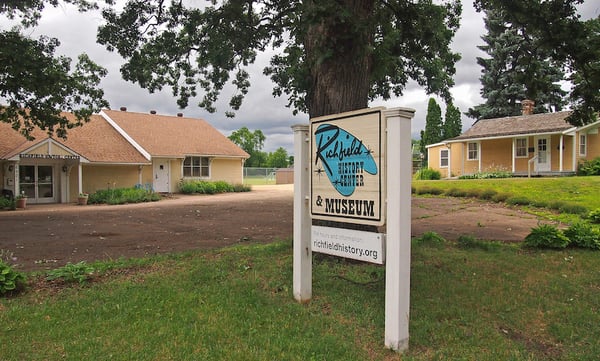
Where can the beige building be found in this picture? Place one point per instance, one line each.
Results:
(536, 144)
(116, 149)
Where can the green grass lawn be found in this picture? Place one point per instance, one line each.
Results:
(467, 303)
(583, 191)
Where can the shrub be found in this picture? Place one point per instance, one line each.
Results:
(71, 273)
(594, 215)
(487, 194)
(546, 236)
(223, 187)
(500, 197)
(429, 190)
(428, 174)
(205, 187)
(470, 242)
(589, 167)
(518, 201)
(583, 235)
(573, 209)
(455, 192)
(430, 239)
(10, 280)
(187, 187)
(241, 188)
(122, 196)
(6, 203)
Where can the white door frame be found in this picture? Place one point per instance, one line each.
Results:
(543, 151)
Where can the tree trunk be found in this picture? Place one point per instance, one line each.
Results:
(338, 50)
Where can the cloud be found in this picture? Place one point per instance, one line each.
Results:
(260, 110)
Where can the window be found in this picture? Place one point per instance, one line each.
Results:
(582, 144)
(443, 158)
(473, 151)
(196, 167)
(521, 147)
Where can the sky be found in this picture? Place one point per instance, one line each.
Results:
(260, 110)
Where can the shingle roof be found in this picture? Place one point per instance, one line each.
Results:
(172, 136)
(96, 141)
(159, 135)
(518, 125)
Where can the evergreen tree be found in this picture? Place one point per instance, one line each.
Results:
(517, 68)
(433, 125)
(452, 122)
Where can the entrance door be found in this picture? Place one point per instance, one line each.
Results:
(543, 154)
(37, 183)
(161, 176)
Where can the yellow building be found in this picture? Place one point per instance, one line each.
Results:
(529, 144)
(116, 149)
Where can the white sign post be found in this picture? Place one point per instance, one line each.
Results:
(397, 271)
(356, 168)
(302, 285)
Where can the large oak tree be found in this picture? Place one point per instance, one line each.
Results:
(330, 55)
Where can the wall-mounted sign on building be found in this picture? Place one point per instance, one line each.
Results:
(347, 177)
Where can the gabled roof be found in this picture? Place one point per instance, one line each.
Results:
(543, 123)
(95, 141)
(174, 136)
(129, 138)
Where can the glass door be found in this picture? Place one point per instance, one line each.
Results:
(37, 182)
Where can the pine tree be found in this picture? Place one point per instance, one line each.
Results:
(517, 69)
(452, 122)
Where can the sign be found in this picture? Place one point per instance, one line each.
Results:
(358, 245)
(49, 156)
(347, 177)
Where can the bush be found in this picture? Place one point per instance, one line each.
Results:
(470, 242)
(122, 196)
(429, 190)
(500, 197)
(10, 280)
(455, 192)
(187, 187)
(583, 235)
(573, 209)
(589, 167)
(428, 174)
(488, 194)
(430, 239)
(71, 273)
(594, 215)
(6, 203)
(518, 201)
(223, 187)
(546, 236)
(241, 188)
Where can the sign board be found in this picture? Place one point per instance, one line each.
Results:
(347, 177)
(358, 245)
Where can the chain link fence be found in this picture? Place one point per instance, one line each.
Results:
(259, 175)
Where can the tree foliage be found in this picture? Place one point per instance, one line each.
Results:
(252, 143)
(517, 68)
(570, 41)
(35, 84)
(452, 122)
(278, 158)
(433, 123)
(330, 55)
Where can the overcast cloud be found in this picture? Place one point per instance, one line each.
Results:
(77, 34)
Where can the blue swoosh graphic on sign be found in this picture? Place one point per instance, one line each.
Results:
(344, 158)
